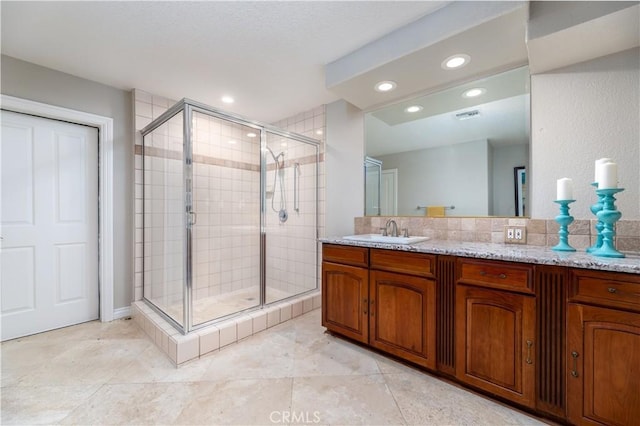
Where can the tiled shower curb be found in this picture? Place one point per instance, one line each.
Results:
(180, 348)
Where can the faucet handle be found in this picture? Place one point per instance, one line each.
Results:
(405, 232)
(384, 231)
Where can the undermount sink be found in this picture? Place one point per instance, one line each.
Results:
(377, 238)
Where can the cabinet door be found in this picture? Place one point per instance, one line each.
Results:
(603, 358)
(494, 342)
(345, 300)
(402, 316)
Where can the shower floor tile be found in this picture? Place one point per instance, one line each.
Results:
(214, 307)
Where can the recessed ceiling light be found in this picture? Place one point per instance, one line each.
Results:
(413, 108)
(283, 144)
(472, 93)
(318, 132)
(232, 142)
(227, 99)
(251, 135)
(385, 86)
(456, 61)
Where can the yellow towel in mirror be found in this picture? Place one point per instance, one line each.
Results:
(435, 211)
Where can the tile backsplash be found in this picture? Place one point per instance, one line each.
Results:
(540, 232)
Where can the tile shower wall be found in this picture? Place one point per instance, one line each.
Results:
(290, 246)
(226, 170)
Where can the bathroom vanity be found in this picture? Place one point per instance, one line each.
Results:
(556, 334)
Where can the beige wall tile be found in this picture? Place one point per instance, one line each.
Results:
(536, 226)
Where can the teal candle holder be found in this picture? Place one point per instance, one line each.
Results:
(595, 208)
(609, 215)
(564, 219)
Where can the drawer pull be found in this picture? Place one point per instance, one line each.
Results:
(501, 276)
(574, 372)
(612, 290)
(529, 344)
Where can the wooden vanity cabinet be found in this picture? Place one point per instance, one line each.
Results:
(603, 348)
(495, 328)
(402, 305)
(345, 291)
(564, 342)
(382, 298)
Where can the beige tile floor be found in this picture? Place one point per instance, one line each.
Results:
(110, 373)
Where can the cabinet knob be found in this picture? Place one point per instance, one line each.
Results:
(612, 290)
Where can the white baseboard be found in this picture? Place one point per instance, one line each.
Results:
(120, 313)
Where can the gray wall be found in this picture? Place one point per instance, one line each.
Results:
(505, 158)
(28, 81)
(344, 167)
(455, 175)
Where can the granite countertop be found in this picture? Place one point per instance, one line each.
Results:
(508, 252)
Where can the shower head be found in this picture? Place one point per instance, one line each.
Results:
(279, 163)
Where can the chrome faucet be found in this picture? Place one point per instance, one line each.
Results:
(394, 228)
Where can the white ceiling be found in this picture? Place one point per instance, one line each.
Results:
(269, 56)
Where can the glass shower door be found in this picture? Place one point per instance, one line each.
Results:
(225, 234)
(164, 223)
(290, 216)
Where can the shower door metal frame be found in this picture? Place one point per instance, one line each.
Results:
(188, 106)
(162, 119)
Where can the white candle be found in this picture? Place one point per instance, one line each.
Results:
(608, 176)
(565, 189)
(599, 164)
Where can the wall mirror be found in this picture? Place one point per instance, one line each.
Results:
(463, 151)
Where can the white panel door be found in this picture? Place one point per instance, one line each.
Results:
(389, 193)
(49, 216)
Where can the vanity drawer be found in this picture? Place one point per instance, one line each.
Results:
(419, 264)
(501, 275)
(617, 290)
(348, 255)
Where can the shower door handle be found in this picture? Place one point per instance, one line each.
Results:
(193, 218)
(296, 189)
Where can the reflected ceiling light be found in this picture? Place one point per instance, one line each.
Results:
(385, 86)
(318, 132)
(456, 61)
(472, 93)
(283, 144)
(227, 99)
(251, 135)
(232, 142)
(413, 108)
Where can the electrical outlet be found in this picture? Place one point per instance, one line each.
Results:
(515, 234)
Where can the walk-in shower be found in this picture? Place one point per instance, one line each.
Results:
(230, 214)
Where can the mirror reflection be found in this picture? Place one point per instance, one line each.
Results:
(463, 151)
